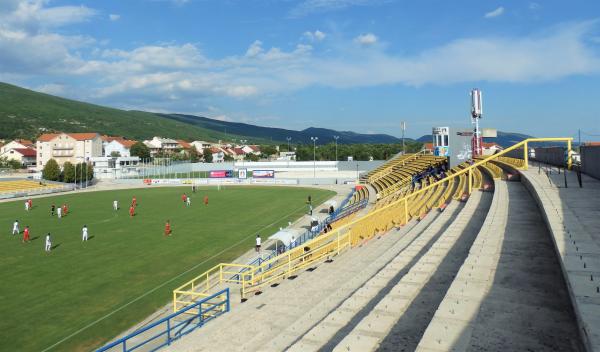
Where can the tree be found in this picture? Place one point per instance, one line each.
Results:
(115, 154)
(89, 168)
(68, 174)
(252, 157)
(193, 153)
(207, 155)
(140, 150)
(51, 171)
(268, 150)
(227, 157)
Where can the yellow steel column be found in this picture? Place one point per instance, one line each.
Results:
(525, 156)
(570, 155)
(174, 302)
(470, 182)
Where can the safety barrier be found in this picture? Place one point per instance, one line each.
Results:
(361, 230)
(173, 327)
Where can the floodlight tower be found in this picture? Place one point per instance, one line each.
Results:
(476, 113)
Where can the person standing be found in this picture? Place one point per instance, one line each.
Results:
(188, 201)
(59, 212)
(65, 209)
(115, 205)
(26, 205)
(52, 209)
(30, 203)
(131, 211)
(184, 198)
(168, 228)
(258, 243)
(15, 230)
(48, 243)
(134, 202)
(26, 234)
(205, 200)
(84, 233)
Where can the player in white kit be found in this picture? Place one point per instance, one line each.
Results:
(84, 233)
(59, 212)
(188, 201)
(48, 243)
(115, 205)
(27, 205)
(15, 230)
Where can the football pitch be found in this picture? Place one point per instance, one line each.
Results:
(127, 263)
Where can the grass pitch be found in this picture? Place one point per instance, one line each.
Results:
(47, 297)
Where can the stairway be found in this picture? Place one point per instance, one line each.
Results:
(277, 317)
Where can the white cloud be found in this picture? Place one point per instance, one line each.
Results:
(114, 17)
(366, 39)
(307, 7)
(534, 6)
(254, 49)
(315, 36)
(51, 88)
(495, 13)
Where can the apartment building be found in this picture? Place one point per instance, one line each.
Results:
(71, 147)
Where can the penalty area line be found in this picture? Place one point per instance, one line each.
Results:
(166, 282)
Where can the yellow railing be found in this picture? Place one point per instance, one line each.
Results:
(377, 222)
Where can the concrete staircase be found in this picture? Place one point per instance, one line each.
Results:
(277, 317)
(509, 294)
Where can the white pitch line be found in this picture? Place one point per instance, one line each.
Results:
(163, 284)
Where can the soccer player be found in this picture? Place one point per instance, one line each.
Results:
(84, 233)
(15, 230)
(184, 199)
(52, 208)
(131, 211)
(258, 243)
(26, 234)
(59, 212)
(26, 205)
(134, 202)
(30, 204)
(48, 243)
(65, 209)
(115, 205)
(188, 201)
(205, 200)
(168, 228)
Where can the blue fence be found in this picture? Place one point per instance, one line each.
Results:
(173, 326)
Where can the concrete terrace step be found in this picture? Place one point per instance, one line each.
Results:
(262, 322)
(336, 319)
(395, 320)
(508, 294)
(264, 316)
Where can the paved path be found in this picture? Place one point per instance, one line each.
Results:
(509, 295)
(572, 216)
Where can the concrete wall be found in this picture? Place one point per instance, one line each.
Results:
(590, 160)
(550, 155)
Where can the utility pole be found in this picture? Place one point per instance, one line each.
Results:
(288, 140)
(579, 137)
(336, 139)
(403, 127)
(314, 139)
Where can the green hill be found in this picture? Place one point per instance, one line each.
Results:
(27, 114)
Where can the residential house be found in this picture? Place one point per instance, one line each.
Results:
(218, 155)
(118, 148)
(251, 149)
(63, 147)
(201, 145)
(26, 156)
(159, 145)
(106, 167)
(17, 144)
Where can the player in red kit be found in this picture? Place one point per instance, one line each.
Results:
(184, 198)
(205, 200)
(131, 211)
(168, 228)
(134, 202)
(26, 234)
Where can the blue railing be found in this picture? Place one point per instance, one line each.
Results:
(170, 328)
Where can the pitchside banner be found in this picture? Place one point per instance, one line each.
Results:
(263, 173)
(220, 173)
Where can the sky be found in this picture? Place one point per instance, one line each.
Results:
(358, 65)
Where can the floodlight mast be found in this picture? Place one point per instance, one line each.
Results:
(476, 113)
